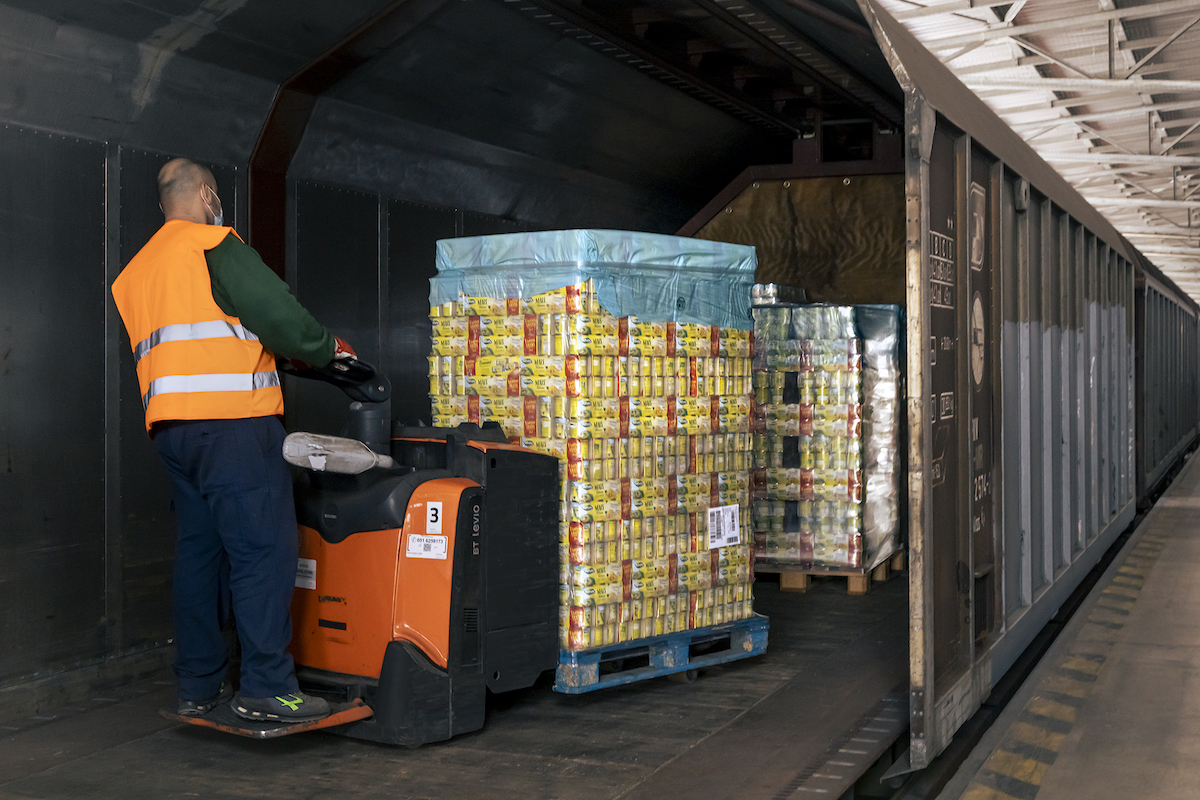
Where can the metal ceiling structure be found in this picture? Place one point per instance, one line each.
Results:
(1107, 92)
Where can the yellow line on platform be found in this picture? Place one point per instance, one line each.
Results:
(978, 792)
(1012, 765)
(1038, 737)
(1051, 708)
(1081, 664)
(1064, 685)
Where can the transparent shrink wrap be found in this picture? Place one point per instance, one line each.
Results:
(880, 327)
(655, 277)
(826, 425)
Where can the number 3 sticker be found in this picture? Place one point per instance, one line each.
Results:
(433, 518)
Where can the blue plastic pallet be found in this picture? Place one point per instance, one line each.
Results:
(579, 672)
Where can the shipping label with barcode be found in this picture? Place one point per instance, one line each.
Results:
(724, 528)
(419, 546)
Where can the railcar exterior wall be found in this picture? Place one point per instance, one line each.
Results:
(1168, 388)
(1021, 414)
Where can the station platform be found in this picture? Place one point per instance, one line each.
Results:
(748, 730)
(1113, 708)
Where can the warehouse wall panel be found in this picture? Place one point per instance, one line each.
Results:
(413, 231)
(52, 381)
(335, 275)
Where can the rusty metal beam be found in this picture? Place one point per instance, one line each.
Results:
(292, 108)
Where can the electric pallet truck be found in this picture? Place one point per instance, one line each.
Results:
(428, 572)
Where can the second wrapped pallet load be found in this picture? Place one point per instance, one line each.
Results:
(627, 356)
(825, 435)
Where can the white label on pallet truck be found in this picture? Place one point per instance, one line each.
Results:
(433, 517)
(723, 526)
(306, 573)
(419, 546)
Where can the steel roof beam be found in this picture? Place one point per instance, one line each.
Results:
(1080, 52)
(1080, 100)
(764, 43)
(833, 18)
(777, 37)
(1120, 113)
(1150, 250)
(1170, 40)
(1135, 202)
(638, 54)
(1047, 55)
(1165, 233)
(1136, 131)
(1157, 85)
(1181, 137)
(1002, 30)
(935, 9)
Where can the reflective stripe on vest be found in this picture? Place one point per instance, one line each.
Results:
(190, 332)
(220, 382)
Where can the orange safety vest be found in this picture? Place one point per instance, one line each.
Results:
(193, 360)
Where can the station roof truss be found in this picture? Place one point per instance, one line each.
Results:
(1106, 91)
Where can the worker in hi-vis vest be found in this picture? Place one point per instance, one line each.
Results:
(206, 318)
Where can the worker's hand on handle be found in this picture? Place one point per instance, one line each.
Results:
(342, 349)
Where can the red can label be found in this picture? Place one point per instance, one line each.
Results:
(529, 413)
(473, 335)
(574, 300)
(530, 329)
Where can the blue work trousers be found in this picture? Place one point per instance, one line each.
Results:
(232, 494)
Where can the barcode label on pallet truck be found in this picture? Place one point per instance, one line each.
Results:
(427, 546)
(723, 526)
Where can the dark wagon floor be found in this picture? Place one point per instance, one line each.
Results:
(743, 730)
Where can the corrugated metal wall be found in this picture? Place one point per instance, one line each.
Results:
(1168, 384)
(1068, 424)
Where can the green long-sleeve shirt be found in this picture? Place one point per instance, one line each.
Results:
(245, 287)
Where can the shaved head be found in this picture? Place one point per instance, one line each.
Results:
(187, 190)
(180, 178)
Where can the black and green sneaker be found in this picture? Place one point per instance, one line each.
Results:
(196, 708)
(294, 707)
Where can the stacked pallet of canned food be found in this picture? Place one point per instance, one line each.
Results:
(627, 356)
(825, 435)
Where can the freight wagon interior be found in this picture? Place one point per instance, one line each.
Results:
(421, 121)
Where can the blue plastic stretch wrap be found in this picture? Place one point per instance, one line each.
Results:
(655, 277)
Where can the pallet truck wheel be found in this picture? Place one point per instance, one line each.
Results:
(688, 676)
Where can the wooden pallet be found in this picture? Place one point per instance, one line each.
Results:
(682, 652)
(858, 581)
